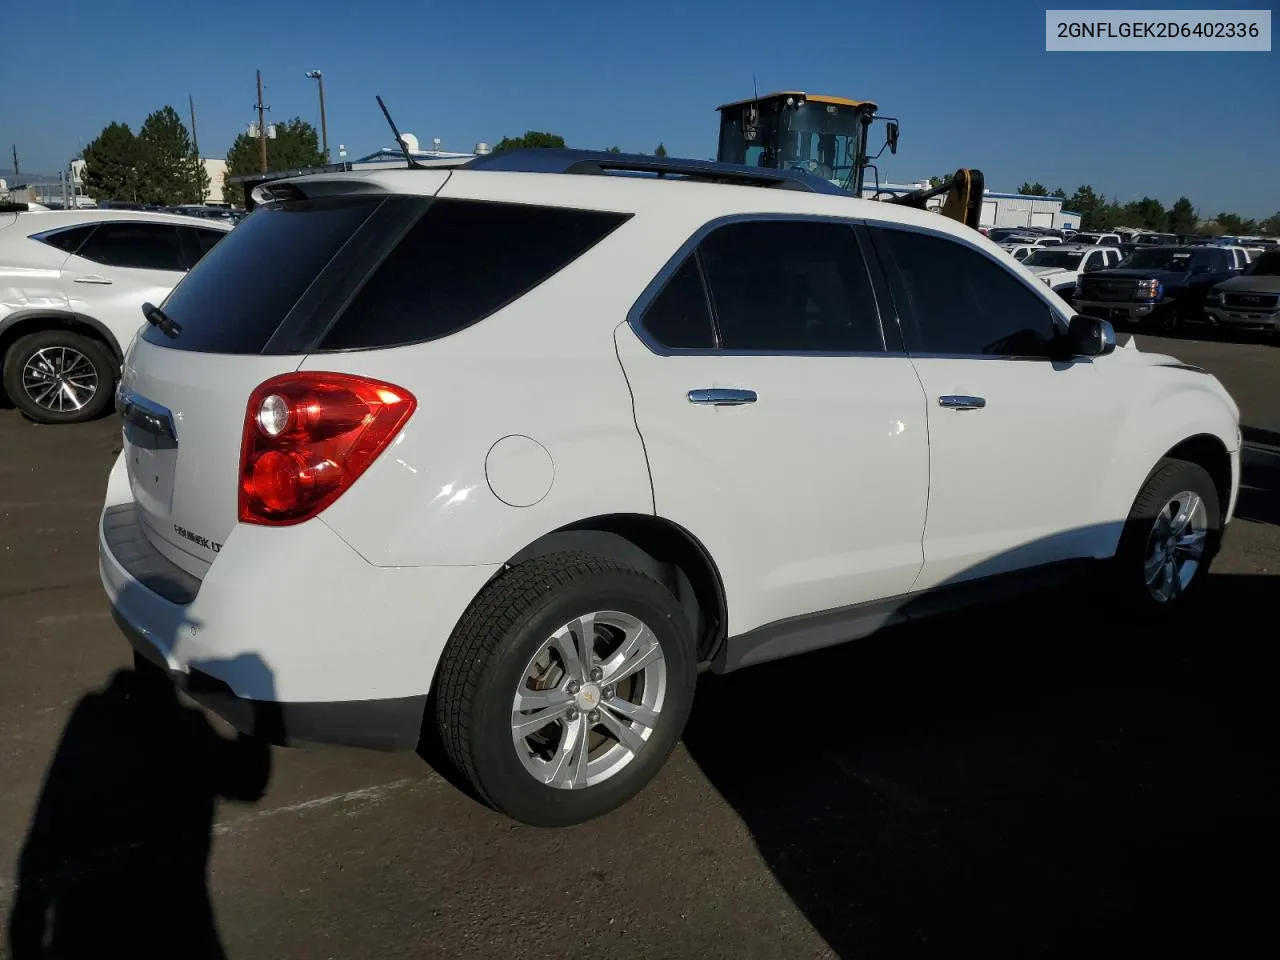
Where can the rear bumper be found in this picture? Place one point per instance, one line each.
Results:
(291, 634)
(389, 725)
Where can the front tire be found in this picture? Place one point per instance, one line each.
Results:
(56, 376)
(565, 687)
(1170, 539)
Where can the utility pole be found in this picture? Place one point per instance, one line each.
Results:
(324, 130)
(16, 169)
(262, 127)
(195, 141)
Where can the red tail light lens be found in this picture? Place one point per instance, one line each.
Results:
(308, 436)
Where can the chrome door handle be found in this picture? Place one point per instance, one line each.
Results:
(722, 397)
(962, 403)
(95, 279)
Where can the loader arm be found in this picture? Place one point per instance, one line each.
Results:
(963, 200)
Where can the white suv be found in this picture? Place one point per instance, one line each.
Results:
(504, 457)
(75, 282)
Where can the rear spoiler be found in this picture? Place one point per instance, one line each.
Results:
(253, 183)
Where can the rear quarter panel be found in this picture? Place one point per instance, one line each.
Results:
(544, 367)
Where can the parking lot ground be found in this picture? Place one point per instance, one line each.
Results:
(1042, 779)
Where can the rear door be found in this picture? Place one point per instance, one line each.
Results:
(122, 265)
(246, 313)
(779, 429)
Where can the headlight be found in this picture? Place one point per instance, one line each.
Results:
(1149, 290)
(1215, 296)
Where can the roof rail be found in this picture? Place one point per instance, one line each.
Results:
(554, 160)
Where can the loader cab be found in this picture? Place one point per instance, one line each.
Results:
(791, 130)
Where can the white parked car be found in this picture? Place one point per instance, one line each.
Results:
(1094, 239)
(1059, 267)
(75, 282)
(506, 456)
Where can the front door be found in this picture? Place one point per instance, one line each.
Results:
(1017, 441)
(778, 430)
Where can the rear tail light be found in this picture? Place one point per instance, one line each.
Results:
(308, 437)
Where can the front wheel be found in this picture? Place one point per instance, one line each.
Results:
(1170, 538)
(565, 687)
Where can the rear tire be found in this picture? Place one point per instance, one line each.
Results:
(516, 697)
(56, 376)
(1171, 537)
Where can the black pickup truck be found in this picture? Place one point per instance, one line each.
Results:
(1158, 287)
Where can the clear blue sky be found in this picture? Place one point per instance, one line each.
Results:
(971, 84)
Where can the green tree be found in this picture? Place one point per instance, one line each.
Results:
(1182, 217)
(1033, 190)
(615, 149)
(1271, 226)
(1060, 194)
(296, 145)
(1148, 213)
(1233, 224)
(169, 171)
(1086, 202)
(531, 138)
(661, 151)
(111, 163)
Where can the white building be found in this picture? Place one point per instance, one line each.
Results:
(998, 209)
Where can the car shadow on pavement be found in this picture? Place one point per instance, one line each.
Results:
(1039, 779)
(116, 858)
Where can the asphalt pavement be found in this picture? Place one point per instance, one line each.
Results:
(1042, 779)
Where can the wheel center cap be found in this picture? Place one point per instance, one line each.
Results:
(588, 697)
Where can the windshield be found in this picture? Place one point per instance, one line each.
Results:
(1086, 238)
(1054, 258)
(820, 138)
(1267, 265)
(1173, 259)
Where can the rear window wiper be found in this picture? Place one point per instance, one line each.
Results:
(158, 318)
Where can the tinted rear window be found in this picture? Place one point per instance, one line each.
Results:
(236, 297)
(463, 260)
(68, 240)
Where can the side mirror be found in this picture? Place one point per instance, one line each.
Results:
(1089, 337)
(891, 136)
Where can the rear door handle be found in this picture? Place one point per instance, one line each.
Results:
(721, 397)
(92, 279)
(962, 402)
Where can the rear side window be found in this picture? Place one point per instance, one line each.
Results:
(462, 261)
(242, 289)
(68, 240)
(678, 317)
(139, 246)
(783, 286)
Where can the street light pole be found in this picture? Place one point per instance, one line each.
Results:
(324, 130)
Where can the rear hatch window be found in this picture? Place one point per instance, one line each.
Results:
(236, 297)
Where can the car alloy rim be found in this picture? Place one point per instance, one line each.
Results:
(60, 379)
(589, 700)
(1176, 545)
